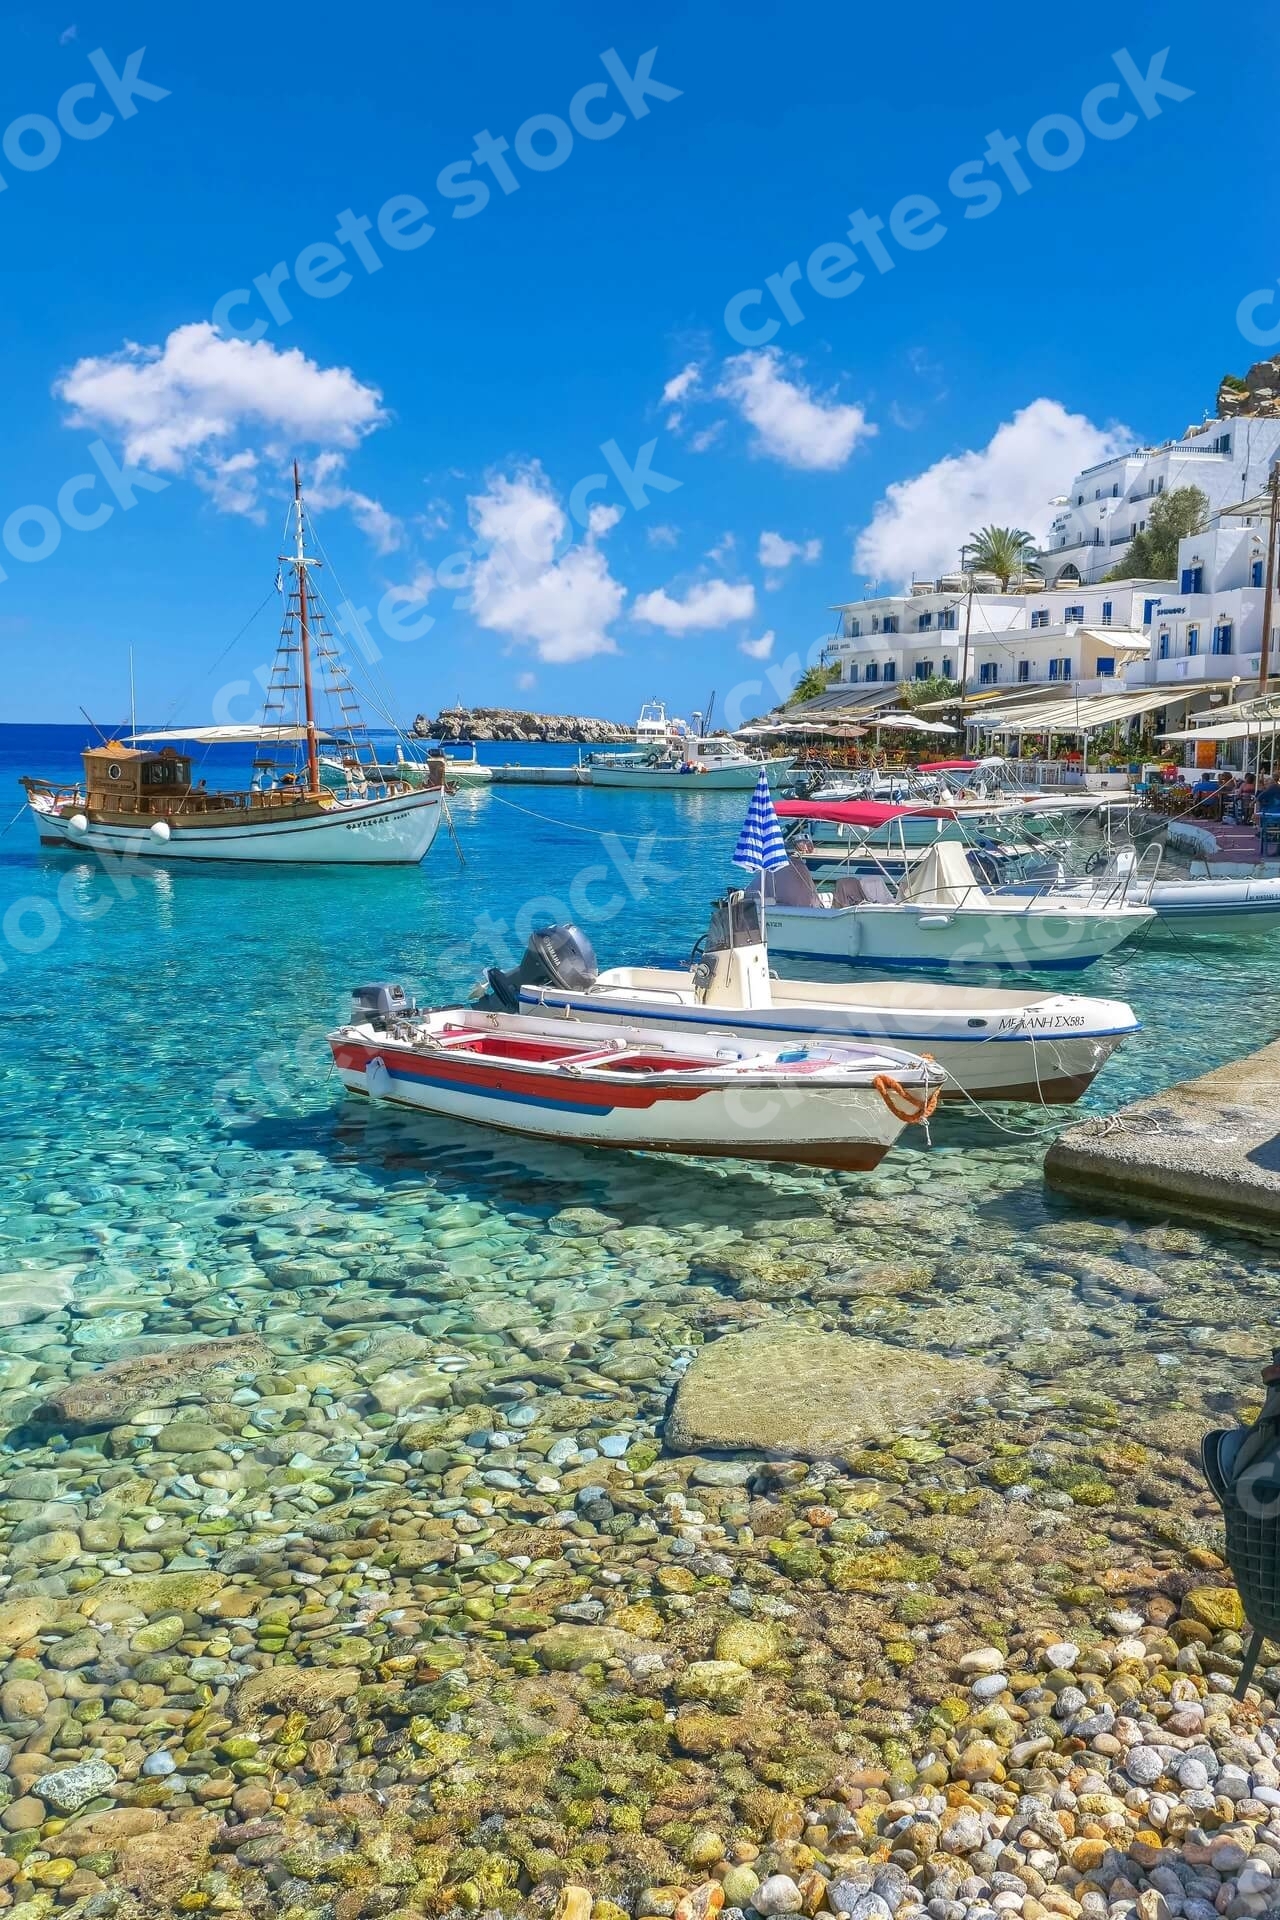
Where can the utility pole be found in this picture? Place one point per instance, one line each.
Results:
(1264, 658)
(964, 656)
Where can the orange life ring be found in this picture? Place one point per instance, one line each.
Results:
(903, 1104)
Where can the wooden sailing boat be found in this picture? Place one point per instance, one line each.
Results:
(137, 800)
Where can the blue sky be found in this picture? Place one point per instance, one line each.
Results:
(446, 406)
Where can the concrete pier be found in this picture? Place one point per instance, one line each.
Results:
(1207, 1148)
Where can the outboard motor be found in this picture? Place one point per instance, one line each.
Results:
(380, 1005)
(555, 957)
(1242, 1465)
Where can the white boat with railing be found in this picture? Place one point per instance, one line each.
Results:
(1185, 906)
(994, 1043)
(697, 764)
(939, 914)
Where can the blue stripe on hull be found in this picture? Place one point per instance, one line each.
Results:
(495, 1093)
(670, 1016)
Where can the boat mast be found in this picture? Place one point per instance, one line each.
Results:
(300, 566)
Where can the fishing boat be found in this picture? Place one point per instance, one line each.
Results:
(939, 914)
(138, 797)
(993, 1043)
(606, 1083)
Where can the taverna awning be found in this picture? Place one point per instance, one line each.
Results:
(1229, 730)
(1083, 714)
(1119, 639)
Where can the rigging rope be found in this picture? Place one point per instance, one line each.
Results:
(598, 833)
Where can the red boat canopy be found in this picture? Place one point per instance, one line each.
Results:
(856, 813)
(948, 766)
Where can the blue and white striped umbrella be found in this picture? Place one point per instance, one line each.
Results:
(760, 846)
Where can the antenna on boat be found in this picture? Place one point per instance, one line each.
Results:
(93, 723)
(133, 704)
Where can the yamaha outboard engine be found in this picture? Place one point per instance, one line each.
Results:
(380, 1005)
(555, 957)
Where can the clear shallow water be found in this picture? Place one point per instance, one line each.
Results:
(176, 1161)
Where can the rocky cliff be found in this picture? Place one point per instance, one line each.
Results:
(509, 723)
(1258, 392)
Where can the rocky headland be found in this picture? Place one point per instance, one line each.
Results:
(511, 723)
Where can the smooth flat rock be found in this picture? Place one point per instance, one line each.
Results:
(795, 1394)
(1207, 1148)
(306, 1689)
(110, 1395)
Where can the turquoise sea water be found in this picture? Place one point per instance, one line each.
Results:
(162, 984)
(166, 1042)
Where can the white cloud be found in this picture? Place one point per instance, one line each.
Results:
(222, 409)
(526, 680)
(232, 484)
(199, 390)
(602, 520)
(706, 438)
(777, 553)
(722, 549)
(920, 524)
(678, 387)
(758, 649)
(792, 423)
(662, 535)
(327, 489)
(712, 603)
(564, 606)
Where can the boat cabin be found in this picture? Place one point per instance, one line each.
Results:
(121, 779)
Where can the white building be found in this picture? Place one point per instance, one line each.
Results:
(1041, 637)
(1210, 628)
(1229, 460)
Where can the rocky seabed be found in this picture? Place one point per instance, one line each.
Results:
(401, 1529)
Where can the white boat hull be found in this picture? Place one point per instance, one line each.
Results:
(394, 831)
(845, 1124)
(1057, 935)
(736, 778)
(993, 1047)
(1224, 909)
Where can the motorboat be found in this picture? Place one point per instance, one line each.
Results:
(145, 803)
(610, 1083)
(994, 1043)
(694, 764)
(940, 914)
(1187, 906)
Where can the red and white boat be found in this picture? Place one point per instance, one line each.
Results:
(605, 1084)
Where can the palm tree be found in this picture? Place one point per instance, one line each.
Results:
(812, 682)
(1004, 551)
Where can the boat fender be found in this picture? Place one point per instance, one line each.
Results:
(934, 920)
(377, 1078)
(161, 830)
(78, 823)
(902, 1103)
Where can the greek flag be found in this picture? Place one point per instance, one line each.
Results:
(760, 847)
